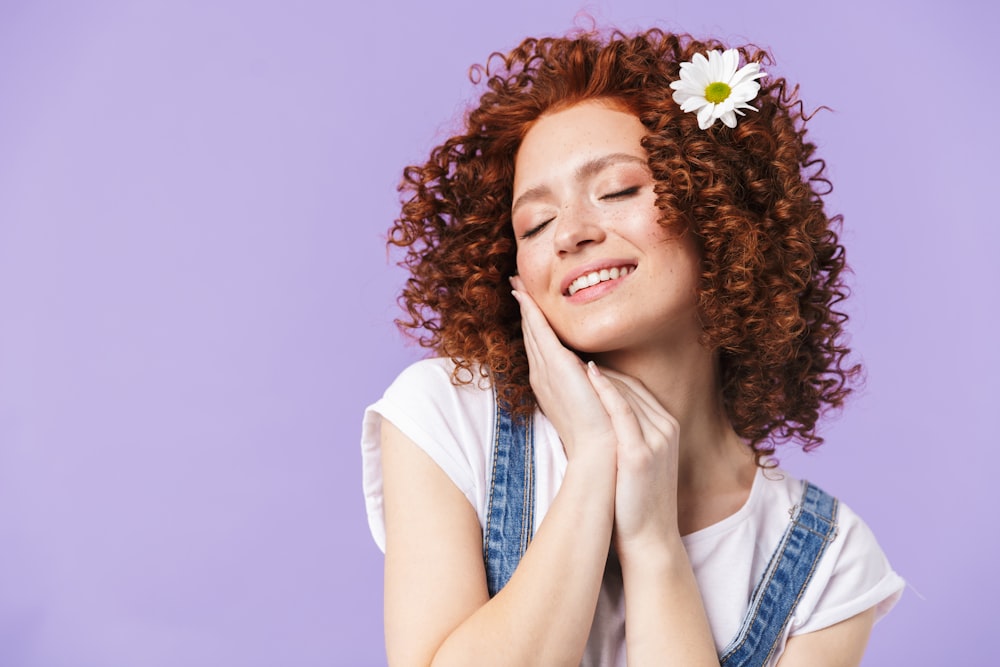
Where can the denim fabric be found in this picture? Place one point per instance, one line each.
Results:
(813, 527)
(510, 516)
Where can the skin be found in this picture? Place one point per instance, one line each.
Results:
(650, 453)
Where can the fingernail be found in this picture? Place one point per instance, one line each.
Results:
(593, 369)
(516, 295)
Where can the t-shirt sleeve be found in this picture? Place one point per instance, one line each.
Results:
(447, 422)
(854, 575)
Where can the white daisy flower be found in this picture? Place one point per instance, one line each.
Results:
(712, 87)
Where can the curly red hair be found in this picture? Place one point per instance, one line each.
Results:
(752, 196)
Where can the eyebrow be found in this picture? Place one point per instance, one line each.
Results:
(583, 172)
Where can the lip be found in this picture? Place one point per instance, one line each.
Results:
(590, 268)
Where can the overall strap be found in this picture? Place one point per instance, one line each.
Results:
(813, 527)
(510, 514)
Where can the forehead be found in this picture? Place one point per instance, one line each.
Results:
(562, 140)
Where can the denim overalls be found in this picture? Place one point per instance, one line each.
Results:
(510, 523)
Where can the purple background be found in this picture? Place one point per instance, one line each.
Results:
(196, 306)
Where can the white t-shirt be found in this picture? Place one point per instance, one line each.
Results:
(454, 425)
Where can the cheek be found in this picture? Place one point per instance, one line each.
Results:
(529, 268)
(641, 222)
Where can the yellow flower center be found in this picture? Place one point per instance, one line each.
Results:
(717, 92)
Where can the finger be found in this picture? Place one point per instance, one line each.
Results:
(532, 315)
(623, 415)
(657, 426)
(645, 401)
(551, 363)
(559, 382)
(535, 361)
(633, 386)
(526, 305)
(533, 324)
(649, 429)
(547, 347)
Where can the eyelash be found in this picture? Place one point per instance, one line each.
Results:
(534, 230)
(621, 194)
(627, 192)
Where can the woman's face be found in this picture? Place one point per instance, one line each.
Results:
(590, 249)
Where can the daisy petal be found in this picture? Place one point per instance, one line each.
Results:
(715, 69)
(683, 98)
(730, 59)
(705, 118)
(746, 74)
(745, 93)
(728, 119)
(699, 66)
(693, 104)
(697, 72)
(688, 88)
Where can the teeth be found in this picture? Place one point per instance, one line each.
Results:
(595, 277)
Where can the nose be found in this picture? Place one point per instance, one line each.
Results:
(577, 226)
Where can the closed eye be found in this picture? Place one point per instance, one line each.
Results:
(537, 228)
(621, 194)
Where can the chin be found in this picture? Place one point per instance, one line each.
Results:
(594, 338)
(595, 342)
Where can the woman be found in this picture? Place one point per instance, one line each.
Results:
(625, 269)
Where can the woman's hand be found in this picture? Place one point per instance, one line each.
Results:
(646, 486)
(560, 383)
(615, 416)
(617, 411)
(665, 620)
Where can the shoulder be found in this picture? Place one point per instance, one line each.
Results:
(424, 400)
(431, 368)
(436, 380)
(452, 423)
(433, 374)
(780, 488)
(853, 575)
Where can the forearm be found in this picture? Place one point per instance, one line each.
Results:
(544, 613)
(665, 620)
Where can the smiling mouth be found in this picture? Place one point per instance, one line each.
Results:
(597, 277)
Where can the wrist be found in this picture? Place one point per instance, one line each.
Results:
(661, 554)
(593, 461)
(590, 480)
